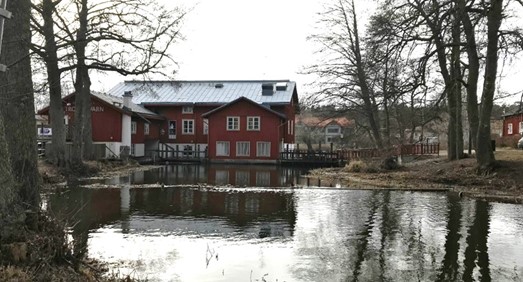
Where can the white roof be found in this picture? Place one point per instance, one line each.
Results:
(118, 102)
(205, 92)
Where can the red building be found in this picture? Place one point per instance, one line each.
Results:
(109, 115)
(175, 118)
(513, 124)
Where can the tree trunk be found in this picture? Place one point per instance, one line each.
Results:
(56, 110)
(455, 149)
(82, 140)
(369, 107)
(18, 103)
(484, 153)
(473, 71)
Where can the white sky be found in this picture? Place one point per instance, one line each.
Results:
(243, 40)
(254, 39)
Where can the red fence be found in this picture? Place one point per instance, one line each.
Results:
(347, 155)
(419, 149)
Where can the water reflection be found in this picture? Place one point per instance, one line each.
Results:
(235, 175)
(184, 234)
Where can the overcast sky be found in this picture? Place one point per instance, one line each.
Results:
(242, 40)
(255, 39)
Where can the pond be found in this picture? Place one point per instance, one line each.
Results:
(259, 233)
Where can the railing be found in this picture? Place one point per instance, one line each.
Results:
(419, 149)
(345, 155)
(181, 153)
(309, 156)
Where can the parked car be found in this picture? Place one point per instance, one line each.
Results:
(520, 143)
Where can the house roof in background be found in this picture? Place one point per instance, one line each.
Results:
(206, 91)
(323, 122)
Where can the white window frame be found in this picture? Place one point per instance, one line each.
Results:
(188, 130)
(187, 109)
(146, 128)
(509, 128)
(235, 123)
(521, 127)
(253, 123)
(172, 131)
(225, 151)
(243, 178)
(133, 127)
(205, 126)
(263, 178)
(331, 127)
(243, 149)
(260, 149)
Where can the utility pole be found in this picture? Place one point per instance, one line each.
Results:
(4, 14)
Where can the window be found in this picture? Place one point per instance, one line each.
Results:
(133, 149)
(263, 179)
(187, 110)
(521, 128)
(222, 177)
(509, 128)
(188, 126)
(243, 149)
(205, 126)
(243, 178)
(222, 148)
(333, 129)
(263, 149)
(133, 127)
(172, 129)
(233, 123)
(146, 128)
(253, 123)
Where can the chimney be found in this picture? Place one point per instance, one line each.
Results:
(127, 97)
(267, 89)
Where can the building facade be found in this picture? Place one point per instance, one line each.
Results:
(194, 118)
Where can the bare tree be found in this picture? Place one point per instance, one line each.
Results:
(118, 36)
(344, 77)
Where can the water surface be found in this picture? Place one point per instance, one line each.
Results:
(257, 233)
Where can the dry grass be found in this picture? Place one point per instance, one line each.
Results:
(504, 183)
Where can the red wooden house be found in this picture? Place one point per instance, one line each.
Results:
(513, 124)
(173, 119)
(116, 122)
(245, 130)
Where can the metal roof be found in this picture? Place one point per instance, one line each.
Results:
(118, 102)
(204, 92)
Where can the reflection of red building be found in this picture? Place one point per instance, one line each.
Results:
(248, 121)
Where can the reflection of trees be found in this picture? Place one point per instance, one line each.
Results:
(449, 269)
(477, 244)
(365, 234)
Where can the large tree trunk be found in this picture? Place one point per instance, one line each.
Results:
(56, 110)
(17, 105)
(484, 153)
(455, 131)
(82, 140)
(9, 200)
(473, 72)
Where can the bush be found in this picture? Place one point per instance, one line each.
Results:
(356, 166)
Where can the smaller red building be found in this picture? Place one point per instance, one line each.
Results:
(245, 130)
(513, 124)
(108, 115)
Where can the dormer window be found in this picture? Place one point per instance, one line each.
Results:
(187, 109)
